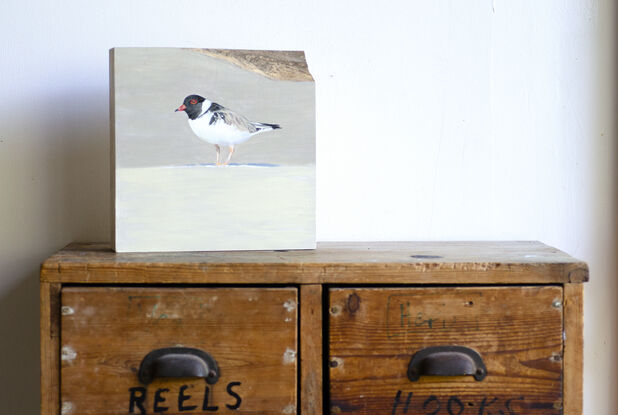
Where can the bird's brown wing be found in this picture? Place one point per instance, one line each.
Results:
(232, 118)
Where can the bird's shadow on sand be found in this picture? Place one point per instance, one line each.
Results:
(227, 165)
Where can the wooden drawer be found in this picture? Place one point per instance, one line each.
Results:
(251, 333)
(517, 331)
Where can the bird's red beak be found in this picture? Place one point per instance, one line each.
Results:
(181, 108)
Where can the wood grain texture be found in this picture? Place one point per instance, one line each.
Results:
(332, 263)
(516, 330)
(250, 332)
(50, 348)
(276, 65)
(573, 348)
(311, 349)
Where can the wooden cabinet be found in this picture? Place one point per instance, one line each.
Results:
(349, 328)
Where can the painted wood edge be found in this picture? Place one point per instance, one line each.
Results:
(112, 147)
(573, 376)
(311, 350)
(50, 348)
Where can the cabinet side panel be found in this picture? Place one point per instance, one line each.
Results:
(573, 348)
(50, 352)
(311, 349)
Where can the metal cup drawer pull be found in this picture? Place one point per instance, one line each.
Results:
(446, 361)
(178, 362)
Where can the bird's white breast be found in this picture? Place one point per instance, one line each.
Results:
(219, 132)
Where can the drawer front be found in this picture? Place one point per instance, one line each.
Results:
(516, 331)
(250, 333)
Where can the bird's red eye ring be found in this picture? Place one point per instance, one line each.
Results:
(193, 102)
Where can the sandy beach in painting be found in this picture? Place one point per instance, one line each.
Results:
(240, 206)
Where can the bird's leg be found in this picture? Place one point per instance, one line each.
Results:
(218, 153)
(229, 156)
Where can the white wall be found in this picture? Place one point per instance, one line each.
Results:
(436, 120)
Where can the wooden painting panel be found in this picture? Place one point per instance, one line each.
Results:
(213, 150)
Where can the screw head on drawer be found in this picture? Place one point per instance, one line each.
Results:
(336, 362)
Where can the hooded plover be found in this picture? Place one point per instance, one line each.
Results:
(218, 125)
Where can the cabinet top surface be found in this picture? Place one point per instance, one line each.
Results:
(516, 262)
